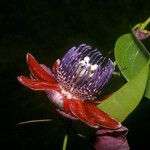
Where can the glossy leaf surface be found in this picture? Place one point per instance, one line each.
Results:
(124, 101)
(131, 56)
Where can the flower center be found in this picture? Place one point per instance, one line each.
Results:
(67, 93)
(83, 72)
(85, 64)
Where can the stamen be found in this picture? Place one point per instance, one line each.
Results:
(86, 59)
(94, 67)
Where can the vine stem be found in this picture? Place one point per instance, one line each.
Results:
(65, 142)
(34, 121)
(143, 26)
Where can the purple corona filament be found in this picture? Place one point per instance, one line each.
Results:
(83, 72)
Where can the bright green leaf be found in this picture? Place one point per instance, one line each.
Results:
(131, 56)
(124, 101)
(147, 91)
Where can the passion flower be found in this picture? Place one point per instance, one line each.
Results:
(74, 84)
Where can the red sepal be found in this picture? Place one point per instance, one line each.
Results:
(55, 67)
(38, 71)
(38, 85)
(66, 105)
(87, 112)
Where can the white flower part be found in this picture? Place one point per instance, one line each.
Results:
(67, 94)
(87, 59)
(94, 67)
(56, 98)
(82, 62)
(85, 63)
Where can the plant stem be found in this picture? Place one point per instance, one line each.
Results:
(143, 26)
(65, 142)
(35, 121)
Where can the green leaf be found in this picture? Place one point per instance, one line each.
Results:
(131, 56)
(124, 101)
(147, 91)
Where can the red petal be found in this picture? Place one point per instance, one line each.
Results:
(37, 70)
(48, 70)
(66, 106)
(91, 115)
(56, 66)
(37, 85)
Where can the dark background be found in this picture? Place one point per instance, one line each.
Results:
(47, 28)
